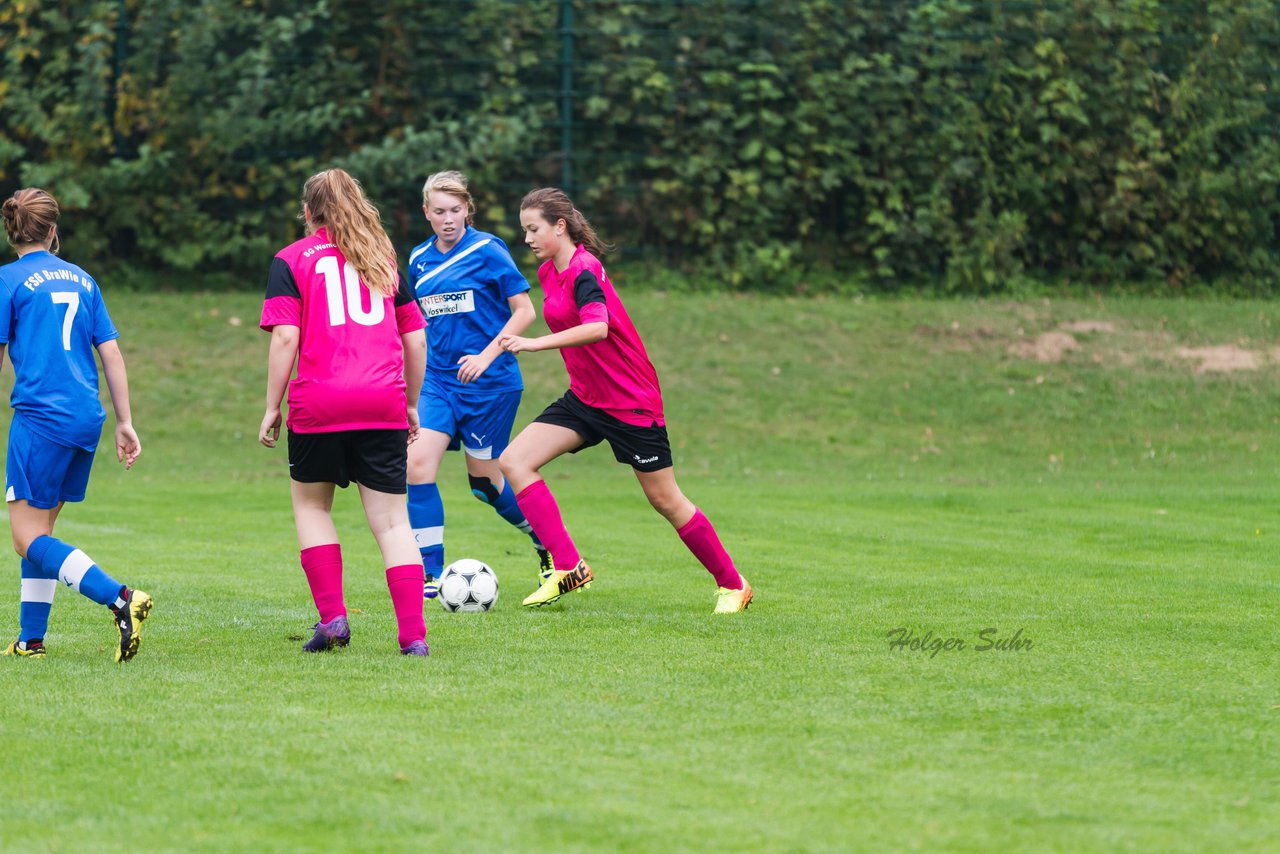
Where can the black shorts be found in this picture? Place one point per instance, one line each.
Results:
(642, 448)
(377, 459)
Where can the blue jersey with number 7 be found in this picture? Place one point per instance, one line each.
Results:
(52, 317)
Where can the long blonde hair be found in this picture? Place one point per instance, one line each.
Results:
(336, 202)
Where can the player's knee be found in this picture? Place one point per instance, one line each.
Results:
(672, 505)
(23, 538)
(510, 464)
(420, 472)
(383, 525)
(666, 505)
(483, 489)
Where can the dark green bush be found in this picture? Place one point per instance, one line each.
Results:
(969, 147)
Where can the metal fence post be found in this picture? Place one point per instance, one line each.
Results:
(566, 95)
(117, 72)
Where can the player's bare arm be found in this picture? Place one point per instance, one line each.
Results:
(576, 336)
(280, 359)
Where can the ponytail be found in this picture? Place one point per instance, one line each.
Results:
(555, 206)
(337, 202)
(29, 216)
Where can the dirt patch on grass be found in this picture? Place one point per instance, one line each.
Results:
(956, 338)
(1088, 327)
(1048, 348)
(1223, 359)
(1092, 341)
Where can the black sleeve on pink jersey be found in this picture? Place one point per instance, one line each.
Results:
(404, 296)
(280, 281)
(586, 289)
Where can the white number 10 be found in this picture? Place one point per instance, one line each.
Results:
(72, 301)
(344, 291)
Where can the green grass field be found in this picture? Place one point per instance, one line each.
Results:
(871, 464)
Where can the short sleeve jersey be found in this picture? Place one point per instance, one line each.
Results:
(52, 317)
(350, 372)
(464, 293)
(614, 374)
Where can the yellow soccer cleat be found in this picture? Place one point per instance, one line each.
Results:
(35, 649)
(732, 601)
(129, 622)
(559, 583)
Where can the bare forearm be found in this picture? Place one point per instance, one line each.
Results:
(574, 336)
(415, 365)
(117, 380)
(280, 359)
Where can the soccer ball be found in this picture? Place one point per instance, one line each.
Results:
(468, 585)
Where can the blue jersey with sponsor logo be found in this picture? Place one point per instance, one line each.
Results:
(51, 318)
(464, 293)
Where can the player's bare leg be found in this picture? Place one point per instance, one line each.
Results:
(321, 558)
(389, 521)
(537, 445)
(733, 593)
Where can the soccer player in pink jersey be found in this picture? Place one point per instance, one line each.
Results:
(337, 306)
(613, 396)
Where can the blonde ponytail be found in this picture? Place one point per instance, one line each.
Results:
(337, 202)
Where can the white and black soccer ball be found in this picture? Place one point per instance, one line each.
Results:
(468, 585)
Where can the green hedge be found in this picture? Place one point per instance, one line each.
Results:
(969, 147)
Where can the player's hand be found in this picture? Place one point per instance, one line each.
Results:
(128, 446)
(269, 432)
(414, 423)
(517, 344)
(472, 366)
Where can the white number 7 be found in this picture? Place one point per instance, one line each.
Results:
(72, 301)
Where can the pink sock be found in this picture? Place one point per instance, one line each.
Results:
(323, 566)
(540, 508)
(405, 584)
(700, 537)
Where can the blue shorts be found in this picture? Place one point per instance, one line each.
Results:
(42, 472)
(478, 423)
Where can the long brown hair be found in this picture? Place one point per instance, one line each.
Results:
(555, 205)
(336, 202)
(455, 184)
(29, 215)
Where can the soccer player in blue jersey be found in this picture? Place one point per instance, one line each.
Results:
(52, 317)
(472, 295)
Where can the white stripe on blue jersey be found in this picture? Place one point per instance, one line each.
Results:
(423, 248)
(432, 273)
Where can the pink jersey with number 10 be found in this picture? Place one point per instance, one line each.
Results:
(350, 357)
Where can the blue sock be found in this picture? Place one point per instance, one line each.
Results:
(73, 568)
(426, 517)
(35, 602)
(508, 509)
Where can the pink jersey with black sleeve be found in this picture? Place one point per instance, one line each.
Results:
(614, 374)
(350, 373)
